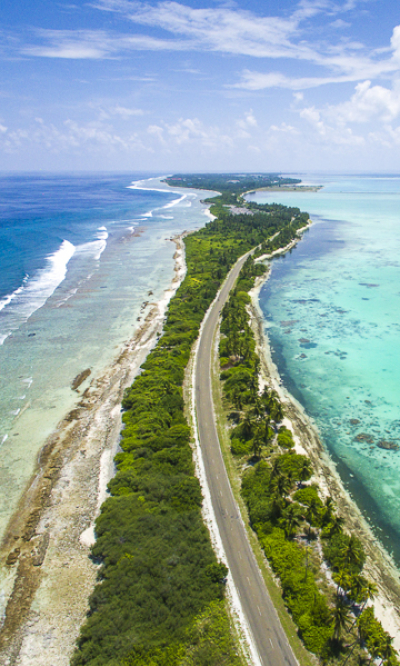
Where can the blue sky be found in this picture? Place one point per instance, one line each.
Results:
(200, 85)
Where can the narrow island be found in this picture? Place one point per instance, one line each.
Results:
(161, 596)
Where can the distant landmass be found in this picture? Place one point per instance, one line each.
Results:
(230, 182)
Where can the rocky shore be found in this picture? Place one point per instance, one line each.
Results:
(46, 548)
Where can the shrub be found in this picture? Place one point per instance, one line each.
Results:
(240, 447)
(285, 438)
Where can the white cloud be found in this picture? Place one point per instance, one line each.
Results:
(233, 31)
(259, 81)
(285, 129)
(125, 113)
(192, 131)
(248, 121)
(395, 43)
(368, 103)
(70, 44)
(333, 134)
(216, 29)
(94, 44)
(240, 32)
(339, 23)
(70, 135)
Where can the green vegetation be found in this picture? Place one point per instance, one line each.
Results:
(159, 600)
(160, 596)
(230, 183)
(299, 533)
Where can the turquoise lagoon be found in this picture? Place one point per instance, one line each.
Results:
(332, 313)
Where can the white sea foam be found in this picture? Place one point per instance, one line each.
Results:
(71, 293)
(175, 201)
(28, 381)
(4, 336)
(104, 233)
(93, 248)
(5, 438)
(34, 292)
(138, 185)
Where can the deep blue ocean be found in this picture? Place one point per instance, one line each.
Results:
(44, 220)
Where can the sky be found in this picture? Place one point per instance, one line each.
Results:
(168, 86)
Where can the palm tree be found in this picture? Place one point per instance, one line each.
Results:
(257, 443)
(282, 485)
(253, 384)
(248, 424)
(370, 591)
(336, 525)
(275, 469)
(362, 658)
(342, 580)
(351, 552)
(276, 411)
(258, 408)
(329, 508)
(305, 471)
(386, 649)
(291, 520)
(237, 397)
(312, 513)
(392, 660)
(358, 588)
(268, 432)
(340, 619)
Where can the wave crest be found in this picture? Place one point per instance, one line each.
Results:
(17, 307)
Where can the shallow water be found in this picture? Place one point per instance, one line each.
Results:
(80, 256)
(331, 309)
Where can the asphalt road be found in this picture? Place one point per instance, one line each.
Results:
(268, 636)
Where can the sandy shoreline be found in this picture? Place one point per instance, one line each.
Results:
(47, 543)
(379, 566)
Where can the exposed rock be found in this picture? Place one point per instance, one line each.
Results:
(40, 550)
(13, 557)
(80, 378)
(388, 446)
(364, 437)
(73, 415)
